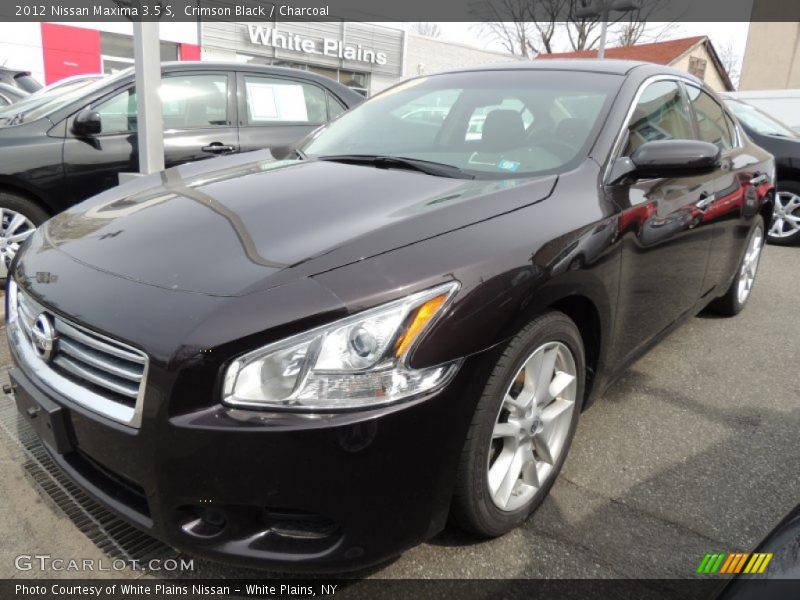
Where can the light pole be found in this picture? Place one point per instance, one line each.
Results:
(591, 9)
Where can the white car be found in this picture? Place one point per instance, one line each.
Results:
(783, 105)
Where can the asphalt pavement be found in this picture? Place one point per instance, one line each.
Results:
(695, 449)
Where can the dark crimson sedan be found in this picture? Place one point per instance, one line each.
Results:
(314, 362)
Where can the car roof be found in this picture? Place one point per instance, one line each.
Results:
(592, 65)
(345, 93)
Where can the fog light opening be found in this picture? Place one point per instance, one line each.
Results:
(201, 521)
(299, 524)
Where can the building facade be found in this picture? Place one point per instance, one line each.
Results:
(772, 57)
(695, 55)
(367, 57)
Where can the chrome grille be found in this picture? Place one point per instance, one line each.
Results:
(106, 376)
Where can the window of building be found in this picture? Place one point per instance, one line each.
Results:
(116, 52)
(697, 67)
(660, 114)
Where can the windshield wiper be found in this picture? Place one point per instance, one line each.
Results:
(399, 162)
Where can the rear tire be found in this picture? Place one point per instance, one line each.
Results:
(522, 427)
(735, 299)
(785, 227)
(19, 218)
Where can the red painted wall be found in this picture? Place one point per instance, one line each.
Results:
(69, 51)
(189, 52)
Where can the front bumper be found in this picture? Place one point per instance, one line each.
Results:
(284, 491)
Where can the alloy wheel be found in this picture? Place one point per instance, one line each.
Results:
(15, 228)
(747, 273)
(786, 216)
(532, 426)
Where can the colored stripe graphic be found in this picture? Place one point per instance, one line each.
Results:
(703, 563)
(734, 563)
(718, 562)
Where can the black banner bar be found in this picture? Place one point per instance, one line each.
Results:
(387, 11)
(378, 589)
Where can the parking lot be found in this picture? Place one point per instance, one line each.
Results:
(693, 450)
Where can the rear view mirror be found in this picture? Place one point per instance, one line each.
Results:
(87, 122)
(667, 158)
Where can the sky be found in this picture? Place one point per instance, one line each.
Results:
(723, 35)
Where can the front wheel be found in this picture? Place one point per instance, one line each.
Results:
(738, 293)
(522, 427)
(19, 218)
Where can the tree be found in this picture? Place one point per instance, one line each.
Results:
(431, 30)
(513, 28)
(732, 62)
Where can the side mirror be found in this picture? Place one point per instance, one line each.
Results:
(667, 158)
(87, 122)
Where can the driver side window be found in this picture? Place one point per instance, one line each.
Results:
(660, 114)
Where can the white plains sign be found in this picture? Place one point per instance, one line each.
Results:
(267, 36)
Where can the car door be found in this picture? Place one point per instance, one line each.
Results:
(664, 247)
(92, 163)
(198, 111)
(275, 112)
(728, 215)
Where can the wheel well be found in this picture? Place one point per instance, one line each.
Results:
(38, 201)
(584, 314)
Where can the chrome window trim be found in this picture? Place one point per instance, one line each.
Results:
(616, 149)
(68, 389)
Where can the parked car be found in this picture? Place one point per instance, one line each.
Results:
(784, 144)
(783, 105)
(42, 96)
(21, 79)
(70, 82)
(313, 363)
(73, 146)
(9, 94)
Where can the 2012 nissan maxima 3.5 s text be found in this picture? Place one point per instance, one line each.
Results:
(314, 362)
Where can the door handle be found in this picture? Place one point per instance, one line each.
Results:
(705, 201)
(217, 148)
(759, 179)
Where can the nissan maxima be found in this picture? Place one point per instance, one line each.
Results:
(318, 360)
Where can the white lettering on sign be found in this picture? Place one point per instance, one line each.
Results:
(267, 36)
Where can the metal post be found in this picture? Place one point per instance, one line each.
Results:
(150, 128)
(601, 51)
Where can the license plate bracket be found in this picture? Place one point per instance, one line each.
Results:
(48, 419)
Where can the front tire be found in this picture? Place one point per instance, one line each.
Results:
(19, 218)
(522, 427)
(735, 299)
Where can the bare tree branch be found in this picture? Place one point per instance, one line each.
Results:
(427, 29)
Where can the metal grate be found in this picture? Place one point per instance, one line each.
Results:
(112, 535)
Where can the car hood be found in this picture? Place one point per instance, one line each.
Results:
(236, 225)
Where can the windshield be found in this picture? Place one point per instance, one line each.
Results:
(758, 121)
(40, 105)
(489, 124)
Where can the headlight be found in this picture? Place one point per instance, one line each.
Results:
(357, 362)
(11, 294)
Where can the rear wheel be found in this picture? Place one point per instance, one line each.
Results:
(785, 227)
(738, 293)
(19, 218)
(522, 427)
